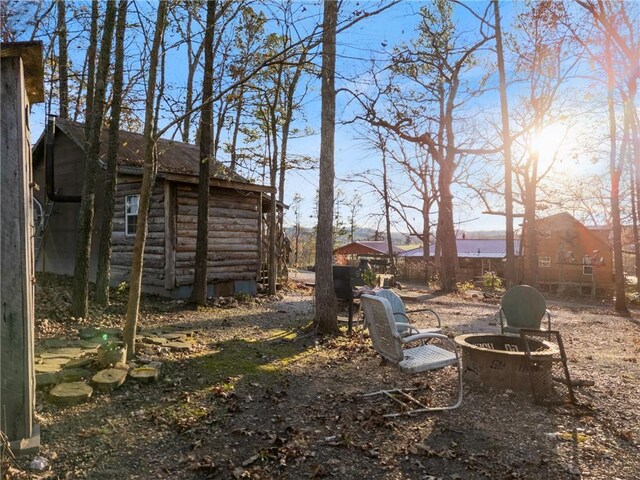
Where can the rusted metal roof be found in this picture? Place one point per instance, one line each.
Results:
(173, 157)
(366, 248)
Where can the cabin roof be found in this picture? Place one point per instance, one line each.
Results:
(174, 158)
(366, 248)
(472, 248)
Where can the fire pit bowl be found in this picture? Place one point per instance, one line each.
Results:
(499, 361)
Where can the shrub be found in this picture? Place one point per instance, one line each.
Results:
(490, 282)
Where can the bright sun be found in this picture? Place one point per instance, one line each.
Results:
(547, 143)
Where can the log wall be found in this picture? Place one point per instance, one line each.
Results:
(153, 272)
(233, 235)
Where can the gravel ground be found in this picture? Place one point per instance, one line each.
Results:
(261, 396)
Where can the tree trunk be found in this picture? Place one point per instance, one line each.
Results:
(63, 60)
(446, 235)
(91, 66)
(510, 270)
(104, 253)
(326, 310)
(80, 300)
(148, 178)
(387, 210)
(199, 291)
(615, 171)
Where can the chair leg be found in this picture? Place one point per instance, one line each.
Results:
(394, 393)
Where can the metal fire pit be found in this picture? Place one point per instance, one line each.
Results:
(500, 361)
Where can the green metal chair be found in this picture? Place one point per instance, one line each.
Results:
(523, 307)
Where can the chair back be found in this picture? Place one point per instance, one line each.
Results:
(397, 306)
(523, 307)
(382, 327)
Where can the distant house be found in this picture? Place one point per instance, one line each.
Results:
(236, 219)
(572, 256)
(375, 252)
(476, 256)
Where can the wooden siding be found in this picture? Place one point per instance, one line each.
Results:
(153, 273)
(563, 237)
(233, 239)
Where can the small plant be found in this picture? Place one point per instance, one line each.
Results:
(243, 297)
(464, 286)
(369, 277)
(490, 282)
(110, 345)
(122, 288)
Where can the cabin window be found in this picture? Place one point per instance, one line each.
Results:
(131, 203)
(587, 267)
(544, 233)
(544, 262)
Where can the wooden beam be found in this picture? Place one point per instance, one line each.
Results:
(17, 378)
(31, 54)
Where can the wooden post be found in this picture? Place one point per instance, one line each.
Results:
(21, 83)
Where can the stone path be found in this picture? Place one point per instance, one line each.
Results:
(68, 370)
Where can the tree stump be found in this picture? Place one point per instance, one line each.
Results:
(70, 393)
(145, 374)
(109, 379)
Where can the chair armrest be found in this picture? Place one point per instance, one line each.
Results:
(407, 326)
(423, 336)
(428, 310)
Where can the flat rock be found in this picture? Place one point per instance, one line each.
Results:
(60, 361)
(178, 346)
(173, 336)
(155, 340)
(46, 368)
(109, 378)
(79, 362)
(46, 379)
(74, 374)
(89, 344)
(145, 374)
(88, 333)
(68, 352)
(70, 393)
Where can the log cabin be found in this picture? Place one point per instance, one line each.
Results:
(236, 214)
(572, 257)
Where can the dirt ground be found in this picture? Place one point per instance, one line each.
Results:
(259, 396)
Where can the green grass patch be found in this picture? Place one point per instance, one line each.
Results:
(252, 359)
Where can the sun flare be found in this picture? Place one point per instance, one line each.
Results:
(547, 143)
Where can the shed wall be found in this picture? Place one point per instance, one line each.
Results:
(233, 235)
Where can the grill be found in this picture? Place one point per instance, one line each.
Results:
(345, 278)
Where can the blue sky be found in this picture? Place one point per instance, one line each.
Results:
(367, 39)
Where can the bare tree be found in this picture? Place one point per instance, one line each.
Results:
(104, 252)
(326, 320)
(510, 268)
(63, 60)
(148, 179)
(199, 290)
(434, 63)
(79, 305)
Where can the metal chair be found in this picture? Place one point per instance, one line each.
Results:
(402, 319)
(523, 306)
(390, 344)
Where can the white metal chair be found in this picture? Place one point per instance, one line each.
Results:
(390, 344)
(400, 314)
